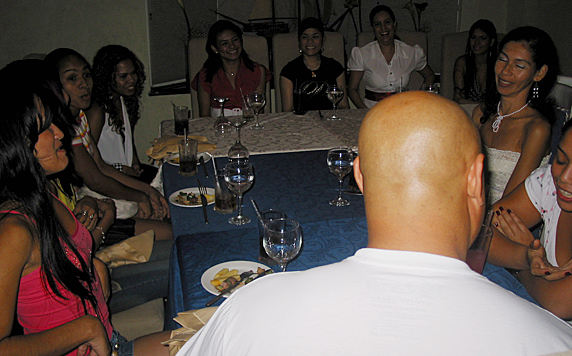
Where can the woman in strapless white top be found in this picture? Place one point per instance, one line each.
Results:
(500, 165)
(514, 122)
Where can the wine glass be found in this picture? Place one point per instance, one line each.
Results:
(238, 151)
(431, 88)
(257, 101)
(239, 177)
(335, 94)
(222, 126)
(340, 161)
(282, 240)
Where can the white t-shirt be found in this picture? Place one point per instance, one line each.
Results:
(542, 193)
(379, 76)
(379, 302)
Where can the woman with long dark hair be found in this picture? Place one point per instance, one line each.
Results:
(228, 72)
(386, 63)
(47, 279)
(515, 120)
(311, 73)
(118, 82)
(474, 72)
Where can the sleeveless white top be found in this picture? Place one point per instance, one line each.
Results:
(111, 145)
(500, 165)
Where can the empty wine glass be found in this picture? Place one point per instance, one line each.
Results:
(238, 151)
(257, 101)
(222, 126)
(340, 161)
(239, 177)
(282, 240)
(335, 94)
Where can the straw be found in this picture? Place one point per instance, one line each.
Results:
(256, 209)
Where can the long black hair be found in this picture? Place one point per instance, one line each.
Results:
(489, 28)
(214, 62)
(66, 122)
(23, 182)
(104, 67)
(543, 52)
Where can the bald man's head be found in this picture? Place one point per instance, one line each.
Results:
(415, 153)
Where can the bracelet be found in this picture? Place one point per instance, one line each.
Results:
(102, 233)
(118, 166)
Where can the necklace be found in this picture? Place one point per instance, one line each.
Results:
(313, 70)
(497, 122)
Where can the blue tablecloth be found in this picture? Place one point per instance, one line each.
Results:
(299, 184)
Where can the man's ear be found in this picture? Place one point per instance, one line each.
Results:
(476, 182)
(357, 173)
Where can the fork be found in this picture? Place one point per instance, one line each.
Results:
(203, 192)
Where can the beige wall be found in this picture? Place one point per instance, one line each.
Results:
(35, 26)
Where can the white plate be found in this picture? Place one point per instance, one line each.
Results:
(241, 266)
(195, 190)
(174, 158)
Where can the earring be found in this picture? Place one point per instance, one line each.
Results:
(300, 50)
(535, 91)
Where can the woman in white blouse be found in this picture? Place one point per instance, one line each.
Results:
(386, 63)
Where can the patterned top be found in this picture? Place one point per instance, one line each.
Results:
(83, 133)
(475, 93)
(542, 193)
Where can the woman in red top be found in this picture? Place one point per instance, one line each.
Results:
(47, 277)
(228, 71)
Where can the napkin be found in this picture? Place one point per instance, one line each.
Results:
(167, 145)
(136, 249)
(191, 321)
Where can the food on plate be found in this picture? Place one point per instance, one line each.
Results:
(175, 160)
(225, 279)
(188, 198)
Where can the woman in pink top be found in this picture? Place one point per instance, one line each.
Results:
(47, 277)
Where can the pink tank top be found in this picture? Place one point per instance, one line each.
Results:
(40, 309)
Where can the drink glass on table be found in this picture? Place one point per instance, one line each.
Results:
(257, 101)
(282, 240)
(188, 157)
(340, 161)
(225, 200)
(266, 216)
(431, 88)
(335, 95)
(238, 151)
(477, 253)
(239, 177)
(181, 115)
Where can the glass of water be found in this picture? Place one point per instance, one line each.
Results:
(239, 177)
(282, 240)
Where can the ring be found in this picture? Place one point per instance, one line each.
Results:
(91, 216)
(84, 212)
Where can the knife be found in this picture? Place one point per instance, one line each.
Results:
(225, 291)
(203, 201)
(202, 163)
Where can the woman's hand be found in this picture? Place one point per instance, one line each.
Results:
(512, 226)
(540, 267)
(87, 212)
(159, 204)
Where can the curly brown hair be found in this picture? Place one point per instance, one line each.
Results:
(103, 71)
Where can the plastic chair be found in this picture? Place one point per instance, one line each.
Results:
(285, 48)
(255, 46)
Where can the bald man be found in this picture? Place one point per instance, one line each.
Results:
(410, 291)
